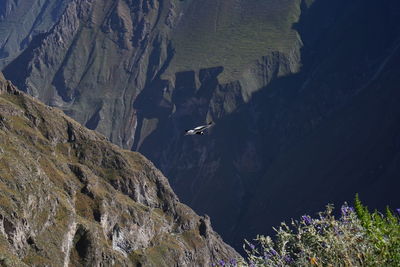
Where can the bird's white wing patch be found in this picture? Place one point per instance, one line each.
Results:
(198, 128)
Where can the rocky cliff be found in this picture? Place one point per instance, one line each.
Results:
(70, 198)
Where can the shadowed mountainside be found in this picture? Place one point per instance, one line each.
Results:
(306, 139)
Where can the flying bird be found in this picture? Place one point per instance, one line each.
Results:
(199, 129)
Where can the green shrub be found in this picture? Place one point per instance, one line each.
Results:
(383, 235)
(356, 238)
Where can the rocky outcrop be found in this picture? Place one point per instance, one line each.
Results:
(70, 197)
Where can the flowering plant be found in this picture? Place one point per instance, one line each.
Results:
(356, 238)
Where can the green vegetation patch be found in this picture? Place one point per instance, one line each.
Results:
(14, 99)
(159, 255)
(232, 33)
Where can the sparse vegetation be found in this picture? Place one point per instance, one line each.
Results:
(232, 34)
(356, 238)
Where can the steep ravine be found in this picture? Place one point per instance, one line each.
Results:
(70, 197)
(221, 179)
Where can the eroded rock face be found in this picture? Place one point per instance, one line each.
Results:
(22, 22)
(70, 197)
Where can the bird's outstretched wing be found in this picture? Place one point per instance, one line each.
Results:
(203, 127)
(200, 128)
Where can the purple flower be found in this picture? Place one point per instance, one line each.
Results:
(307, 219)
(337, 231)
(398, 211)
(287, 259)
(252, 246)
(319, 229)
(273, 252)
(346, 210)
(252, 264)
(222, 262)
(233, 262)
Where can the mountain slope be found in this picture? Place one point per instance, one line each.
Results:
(281, 80)
(233, 34)
(68, 196)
